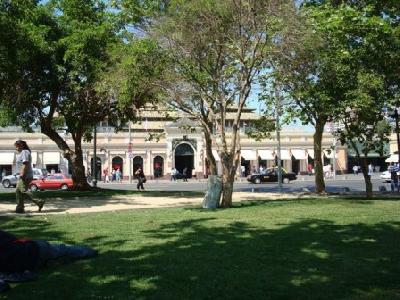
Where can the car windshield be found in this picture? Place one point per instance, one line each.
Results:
(273, 170)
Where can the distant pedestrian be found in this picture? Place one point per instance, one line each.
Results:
(254, 170)
(106, 179)
(394, 177)
(184, 173)
(173, 174)
(355, 169)
(113, 175)
(243, 171)
(309, 169)
(24, 168)
(327, 171)
(118, 175)
(370, 169)
(141, 178)
(261, 169)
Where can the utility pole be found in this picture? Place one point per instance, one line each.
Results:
(334, 156)
(130, 153)
(396, 118)
(278, 135)
(94, 157)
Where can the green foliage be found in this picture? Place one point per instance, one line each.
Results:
(361, 49)
(260, 129)
(7, 117)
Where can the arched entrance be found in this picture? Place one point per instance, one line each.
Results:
(184, 157)
(98, 168)
(158, 166)
(118, 163)
(137, 162)
(244, 167)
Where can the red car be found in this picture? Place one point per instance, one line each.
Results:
(51, 182)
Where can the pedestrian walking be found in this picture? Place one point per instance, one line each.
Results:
(118, 175)
(355, 169)
(370, 169)
(243, 171)
(184, 173)
(309, 169)
(394, 178)
(173, 174)
(106, 179)
(24, 168)
(141, 178)
(113, 175)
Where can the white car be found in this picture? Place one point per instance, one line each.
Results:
(385, 176)
(11, 180)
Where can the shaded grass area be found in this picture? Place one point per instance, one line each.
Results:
(316, 249)
(102, 193)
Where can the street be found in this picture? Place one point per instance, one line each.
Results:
(353, 182)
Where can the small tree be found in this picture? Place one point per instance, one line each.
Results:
(217, 51)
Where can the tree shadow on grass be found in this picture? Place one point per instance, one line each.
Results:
(201, 259)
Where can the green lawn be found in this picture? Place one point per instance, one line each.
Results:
(308, 249)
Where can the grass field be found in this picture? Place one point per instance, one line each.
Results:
(299, 249)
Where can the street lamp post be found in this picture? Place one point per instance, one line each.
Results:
(130, 153)
(94, 157)
(278, 136)
(395, 115)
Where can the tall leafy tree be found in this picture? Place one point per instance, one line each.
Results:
(345, 61)
(366, 43)
(52, 62)
(217, 51)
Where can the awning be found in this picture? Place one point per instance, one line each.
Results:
(266, 154)
(329, 153)
(7, 158)
(299, 154)
(392, 158)
(51, 158)
(249, 154)
(216, 156)
(285, 154)
(311, 153)
(34, 158)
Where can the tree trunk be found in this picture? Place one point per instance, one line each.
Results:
(318, 163)
(367, 178)
(227, 184)
(213, 195)
(229, 168)
(212, 164)
(78, 169)
(74, 157)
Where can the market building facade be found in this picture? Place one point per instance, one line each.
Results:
(161, 142)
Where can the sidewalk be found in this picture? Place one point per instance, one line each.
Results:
(88, 205)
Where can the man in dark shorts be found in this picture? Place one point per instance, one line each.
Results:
(20, 255)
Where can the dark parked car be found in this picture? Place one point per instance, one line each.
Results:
(271, 175)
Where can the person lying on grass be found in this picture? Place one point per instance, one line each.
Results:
(19, 257)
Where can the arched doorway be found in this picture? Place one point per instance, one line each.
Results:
(158, 166)
(98, 168)
(184, 157)
(118, 163)
(295, 165)
(244, 167)
(137, 162)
